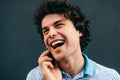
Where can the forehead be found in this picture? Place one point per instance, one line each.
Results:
(51, 18)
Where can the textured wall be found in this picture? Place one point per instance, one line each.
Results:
(20, 45)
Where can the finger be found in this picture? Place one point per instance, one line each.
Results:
(45, 58)
(47, 65)
(45, 53)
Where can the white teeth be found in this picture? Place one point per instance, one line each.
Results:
(56, 42)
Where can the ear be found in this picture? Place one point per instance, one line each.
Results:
(80, 34)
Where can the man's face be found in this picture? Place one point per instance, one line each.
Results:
(60, 36)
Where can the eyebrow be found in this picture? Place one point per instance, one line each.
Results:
(56, 22)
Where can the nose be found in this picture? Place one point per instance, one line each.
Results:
(52, 33)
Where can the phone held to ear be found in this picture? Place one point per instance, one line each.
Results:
(53, 61)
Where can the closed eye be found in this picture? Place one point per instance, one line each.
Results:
(59, 25)
(45, 31)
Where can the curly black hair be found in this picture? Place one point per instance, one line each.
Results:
(70, 11)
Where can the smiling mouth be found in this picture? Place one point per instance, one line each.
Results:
(57, 43)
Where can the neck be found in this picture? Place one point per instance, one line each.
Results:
(72, 64)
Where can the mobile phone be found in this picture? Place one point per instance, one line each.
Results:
(53, 61)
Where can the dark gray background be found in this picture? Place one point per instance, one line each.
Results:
(21, 45)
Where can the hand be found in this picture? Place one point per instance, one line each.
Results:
(49, 71)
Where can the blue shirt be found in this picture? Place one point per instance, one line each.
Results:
(91, 71)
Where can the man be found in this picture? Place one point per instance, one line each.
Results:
(66, 33)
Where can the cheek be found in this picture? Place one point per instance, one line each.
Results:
(45, 42)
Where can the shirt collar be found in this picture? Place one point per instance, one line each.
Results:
(88, 70)
(89, 67)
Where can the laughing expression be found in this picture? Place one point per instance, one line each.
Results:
(60, 36)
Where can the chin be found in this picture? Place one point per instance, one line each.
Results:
(59, 58)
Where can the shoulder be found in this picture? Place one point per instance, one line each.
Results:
(106, 72)
(34, 74)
